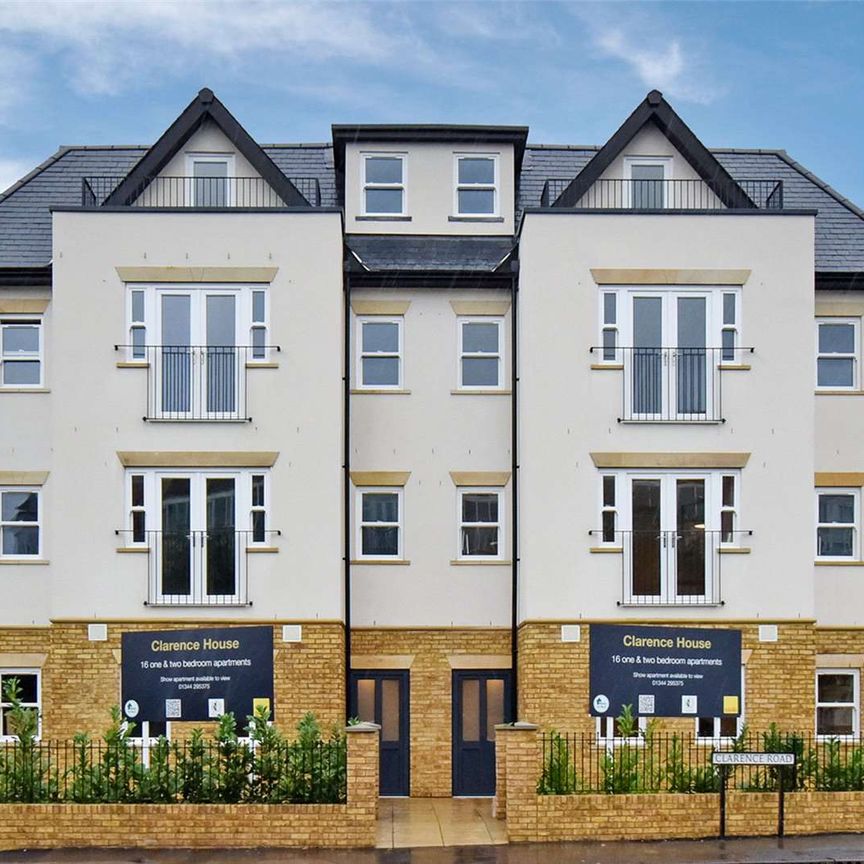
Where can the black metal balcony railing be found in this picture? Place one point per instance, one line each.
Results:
(197, 568)
(614, 194)
(670, 568)
(197, 382)
(199, 192)
(671, 385)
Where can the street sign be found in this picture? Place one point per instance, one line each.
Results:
(724, 757)
(665, 671)
(197, 674)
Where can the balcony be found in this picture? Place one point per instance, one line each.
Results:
(670, 568)
(651, 195)
(671, 385)
(197, 568)
(205, 383)
(200, 193)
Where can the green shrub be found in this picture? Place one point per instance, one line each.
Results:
(559, 773)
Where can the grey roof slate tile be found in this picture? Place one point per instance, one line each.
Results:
(377, 252)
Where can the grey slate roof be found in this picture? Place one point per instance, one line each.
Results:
(415, 252)
(25, 218)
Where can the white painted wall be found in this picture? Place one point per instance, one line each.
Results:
(568, 410)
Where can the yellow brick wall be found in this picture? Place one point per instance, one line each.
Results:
(81, 679)
(430, 697)
(554, 678)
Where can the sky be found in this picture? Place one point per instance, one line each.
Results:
(784, 75)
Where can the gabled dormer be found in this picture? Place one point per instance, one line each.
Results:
(204, 160)
(428, 179)
(655, 162)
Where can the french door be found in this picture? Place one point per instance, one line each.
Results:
(198, 556)
(670, 554)
(198, 361)
(669, 376)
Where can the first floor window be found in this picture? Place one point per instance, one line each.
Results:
(20, 352)
(480, 523)
(380, 523)
(19, 523)
(380, 355)
(29, 693)
(480, 352)
(837, 353)
(837, 702)
(837, 523)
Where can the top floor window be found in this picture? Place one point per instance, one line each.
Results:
(210, 179)
(20, 352)
(647, 186)
(384, 184)
(477, 185)
(837, 353)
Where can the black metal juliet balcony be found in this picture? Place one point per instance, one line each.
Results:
(644, 195)
(671, 568)
(200, 193)
(671, 385)
(197, 382)
(198, 568)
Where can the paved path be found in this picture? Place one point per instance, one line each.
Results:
(422, 822)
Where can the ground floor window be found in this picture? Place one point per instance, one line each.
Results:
(29, 693)
(729, 726)
(837, 702)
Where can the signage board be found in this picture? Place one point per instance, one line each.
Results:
(197, 674)
(723, 757)
(665, 671)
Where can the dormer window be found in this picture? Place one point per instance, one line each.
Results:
(384, 184)
(476, 185)
(647, 178)
(210, 176)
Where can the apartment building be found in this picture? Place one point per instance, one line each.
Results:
(429, 402)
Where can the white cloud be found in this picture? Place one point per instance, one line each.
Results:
(12, 170)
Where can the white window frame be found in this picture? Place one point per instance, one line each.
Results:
(227, 158)
(666, 162)
(855, 323)
(14, 672)
(399, 321)
(263, 326)
(729, 327)
(11, 322)
(605, 326)
(498, 492)
(403, 186)
(855, 492)
(604, 731)
(264, 508)
(855, 704)
(740, 720)
(495, 186)
(730, 508)
(614, 508)
(461, 321)
(26, 490)
(360, 524)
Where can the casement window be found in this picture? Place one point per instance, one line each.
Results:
(481, 526)
(20, 526)
(379, 356)
(670, 526)
(729, 330)
(609, 326)
(21, 353)
(379, 523)
(837, 349)
(476, 185)
(646, 186)
(837, 524)
(481, 353)
(728, 726)
(210, 179)
(608, 731)
(29, 692)
(384, 184)
(837, 701)
(197, 526)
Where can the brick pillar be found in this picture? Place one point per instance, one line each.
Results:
(521, 773)
(363, 743)
(499, 802)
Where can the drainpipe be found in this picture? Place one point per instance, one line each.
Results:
(514, 451)
(346, 479)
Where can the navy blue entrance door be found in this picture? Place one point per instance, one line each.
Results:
(481, 699)
(381, 696)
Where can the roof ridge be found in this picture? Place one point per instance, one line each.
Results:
(325, 144)
(54, 157)
(530, 146)
(106, 146)
(818, 181)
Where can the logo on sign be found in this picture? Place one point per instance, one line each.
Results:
(130, 709)
(215, 708)
(601, 703)
(688, 705)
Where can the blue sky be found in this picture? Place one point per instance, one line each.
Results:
(741, 74)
